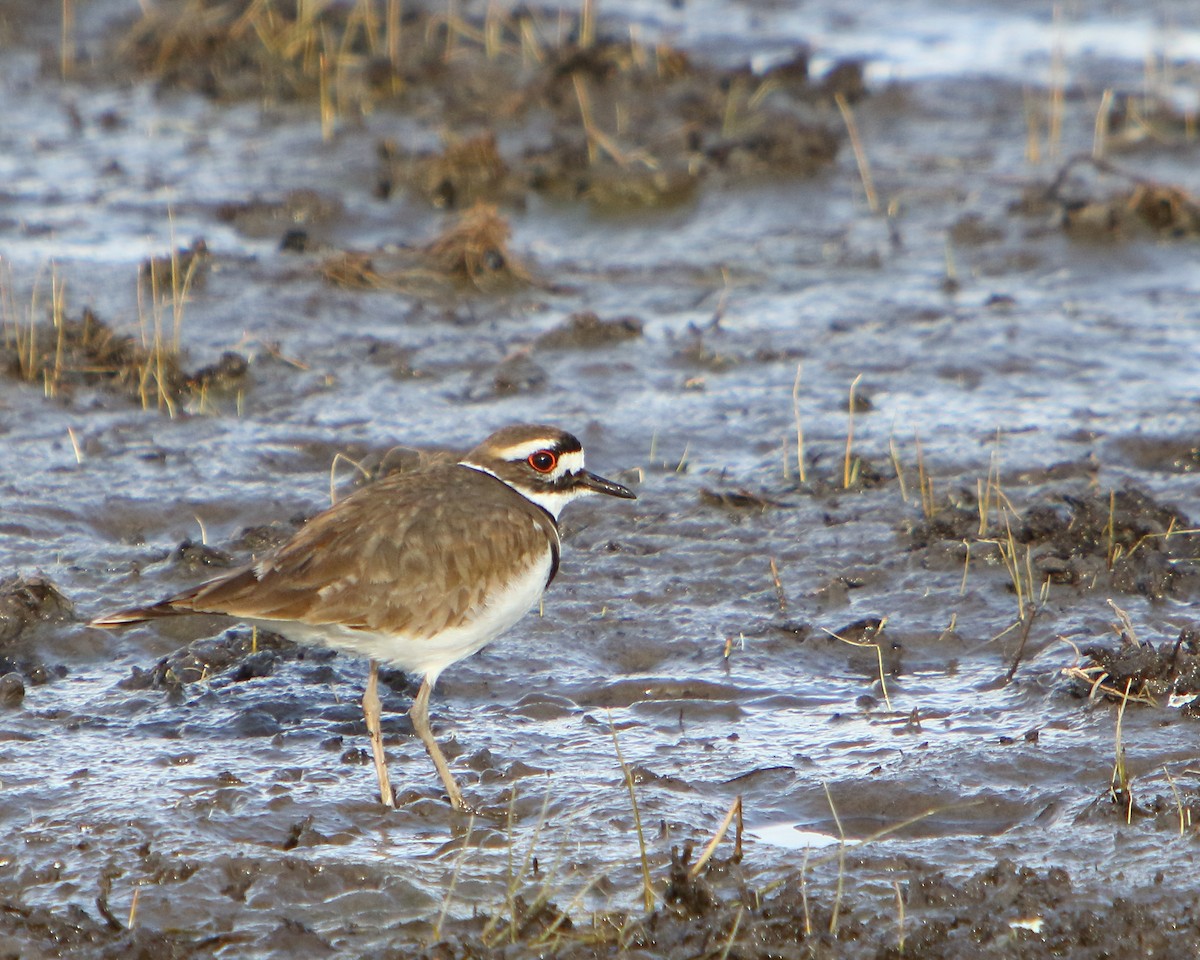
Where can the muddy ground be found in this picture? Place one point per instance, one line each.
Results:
(890, 320)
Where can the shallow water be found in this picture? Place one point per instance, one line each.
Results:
(235, 802)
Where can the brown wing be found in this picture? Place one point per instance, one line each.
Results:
(400, 556)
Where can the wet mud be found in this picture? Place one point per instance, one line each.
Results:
(895, 655)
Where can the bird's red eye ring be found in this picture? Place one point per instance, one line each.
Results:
(543, 461)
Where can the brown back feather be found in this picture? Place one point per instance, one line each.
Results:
(398, 556)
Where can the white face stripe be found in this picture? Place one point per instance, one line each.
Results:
(519, 451)
(571, 462)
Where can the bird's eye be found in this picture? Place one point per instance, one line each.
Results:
(543, 461)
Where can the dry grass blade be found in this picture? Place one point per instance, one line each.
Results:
(647, 884)
(737, 924)
(800, 472)
(1185, 815)
(597, 139)
(860, 155)
(489, 934)
(66, 62)
(587, 25)
(985, 490)
(897, 466)
(780, 596)
(133, 908)
(393, 32)
(1121, 784)
(340, 458)
(899, 916)
(1058, 80)
(735, 810)
(1030, 598)
(1100, 132)
(458, 862)
(878, 654)
(924, 481)
(1126, 631)
(841, 855)
(849, 463)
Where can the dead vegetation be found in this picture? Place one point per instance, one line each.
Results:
(44, 343)
(1148, 119)
(1121, 539)
(467, 171)
(72, 352)
(998, 909)
(1097, 200)
(634, 124)
(1141, 671)
(471, 254)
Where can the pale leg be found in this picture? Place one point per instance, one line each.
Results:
(420, 721)
(371, 711)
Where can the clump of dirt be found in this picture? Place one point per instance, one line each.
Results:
(25, 603)
(297, 213)
(687, 893)
(68, 353)
(471, 253)
(517, 373)
(1165, 454)
(73, 932)
(1123, 540)
(614, 189)
(774, 149)
(711, 348)
(475, 251)
(1142, 671)
(195, 557)
(586, 331)
(12, 690)
(1099, 201)
(1148, 120)
(28, 600)
(740, 499)
(237, 655)
(179, 270)
(467, 171)
(829, 476)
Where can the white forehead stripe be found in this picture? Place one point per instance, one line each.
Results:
(519, 451)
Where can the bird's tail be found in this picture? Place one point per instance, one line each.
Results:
(124, 618)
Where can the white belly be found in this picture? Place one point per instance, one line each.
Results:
(429, 656)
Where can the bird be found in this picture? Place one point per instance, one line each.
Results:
(419, 570)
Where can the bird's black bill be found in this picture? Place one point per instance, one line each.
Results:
(600, 485)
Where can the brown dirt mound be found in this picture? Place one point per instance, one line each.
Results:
(1123, 540)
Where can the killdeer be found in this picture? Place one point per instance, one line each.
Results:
(418, 570)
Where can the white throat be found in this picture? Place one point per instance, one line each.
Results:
(552, 501)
